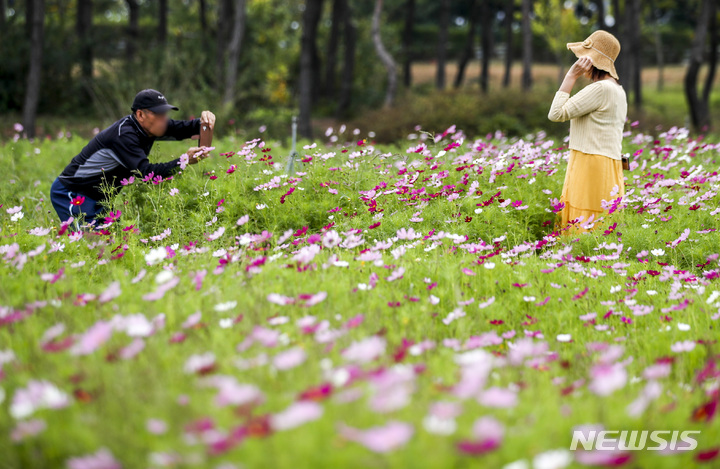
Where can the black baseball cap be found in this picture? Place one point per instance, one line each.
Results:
(152, 100)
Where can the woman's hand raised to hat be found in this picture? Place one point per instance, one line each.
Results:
(208, 117)
(581, 67)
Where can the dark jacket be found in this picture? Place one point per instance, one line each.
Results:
(120, 151)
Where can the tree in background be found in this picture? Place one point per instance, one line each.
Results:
(162, 27)
(600, 9)
(558, 25)
(133, 31)
(527, 6)
(333, 43)
(231, 72)
(699, 103)
(633, 64)
(509, 17)
(32, 90)
(226, 13)
(469, 51)
(348, 71)
(407, 41)
(308, 53)
(251, 58)
(384, 55)
(83, 29)
(444, 15)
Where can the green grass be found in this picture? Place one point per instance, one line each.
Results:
(113, 398)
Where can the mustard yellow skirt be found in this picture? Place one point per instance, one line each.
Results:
(589, 179)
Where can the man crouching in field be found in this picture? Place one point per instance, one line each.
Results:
(121, 151)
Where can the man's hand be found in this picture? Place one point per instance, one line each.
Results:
(196, 154)
(208, 117)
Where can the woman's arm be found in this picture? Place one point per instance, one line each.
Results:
(563, 107)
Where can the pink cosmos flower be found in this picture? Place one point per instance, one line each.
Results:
(199, 363)
(290, 358)
(683, 346)
(110, 293)
(39, 394)
(94, 337)
(366, 350)
(498, 397)
(113, 217)
(102, 459)
(607, 378)
(27, 428)
(298, 413)
(383, 439)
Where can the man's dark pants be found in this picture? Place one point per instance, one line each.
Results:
(61, 198)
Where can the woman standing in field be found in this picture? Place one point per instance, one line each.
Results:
(597, 115)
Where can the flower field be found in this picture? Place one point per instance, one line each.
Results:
(398, 306)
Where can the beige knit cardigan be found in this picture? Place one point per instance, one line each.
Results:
(597, 115)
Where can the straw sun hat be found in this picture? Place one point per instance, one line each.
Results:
(602, 47)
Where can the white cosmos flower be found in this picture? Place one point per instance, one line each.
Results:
(163, 276)
(553, 459)
(227, 306)
(658, 252)
(155, 255)
(519, 464)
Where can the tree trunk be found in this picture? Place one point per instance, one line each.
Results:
(348, 72)
(527, 45)
(32, 88)
(712, 56)
(600, 4)
(698, 106)
(162, 22)
(408, 41)
(202, 6)
(617, 14)
(633, 66)
(234, 49)
(133, 31)
(442, 43)
(469, 51)
(487, 16)
(660, 57)
(509, 12)
(28, 18)
(618, 31)
(224, 29)
(83, 26)
(384, 55)
(338, 11)
(308, 79)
